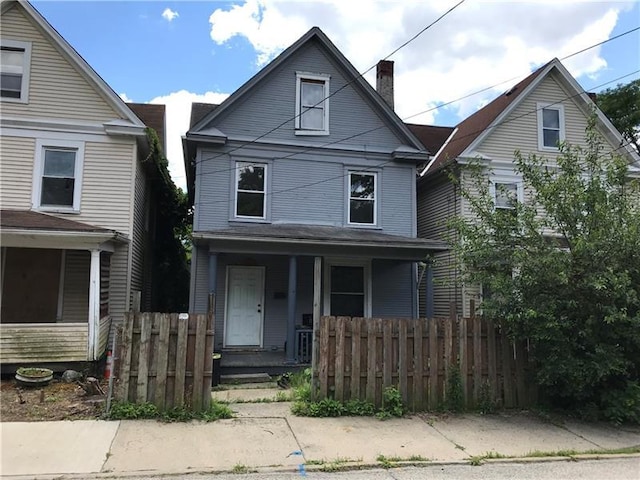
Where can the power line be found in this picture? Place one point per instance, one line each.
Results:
(437, 107)
(386, 162)
(359, 76)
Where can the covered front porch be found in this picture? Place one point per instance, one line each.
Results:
(54, 289)
(272, 284)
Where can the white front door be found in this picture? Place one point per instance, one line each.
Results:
(245, 306)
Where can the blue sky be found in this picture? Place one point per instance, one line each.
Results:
(179, 52)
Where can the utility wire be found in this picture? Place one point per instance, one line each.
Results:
(437, 107)
(359, 76)
(374, 168)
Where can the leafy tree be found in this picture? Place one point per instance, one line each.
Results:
(622, 105)
(171, 243)
(563, 269)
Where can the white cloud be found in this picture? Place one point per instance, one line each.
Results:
(479, 44)
(178, 114)
(169, 14)
(124, 97)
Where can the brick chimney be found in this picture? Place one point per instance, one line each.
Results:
(384, 80)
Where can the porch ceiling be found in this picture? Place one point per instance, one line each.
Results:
(317, 240)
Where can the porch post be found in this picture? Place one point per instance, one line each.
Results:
(291, 317)
(94, 304)
(213, 275)
(429, 289)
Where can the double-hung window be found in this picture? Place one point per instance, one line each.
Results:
(251, 189)
(312, 104)
(506, 195)
(58, 176)
(15, 59)
(550, 126)
(362, 198)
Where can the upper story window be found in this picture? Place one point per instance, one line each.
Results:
(58, 176)
(312, 104)
(15, 60)
(550, 126)
(362, 198)
(251, 189)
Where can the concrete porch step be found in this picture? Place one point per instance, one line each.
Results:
(245, 378)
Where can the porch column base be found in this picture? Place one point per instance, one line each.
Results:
(94, 304)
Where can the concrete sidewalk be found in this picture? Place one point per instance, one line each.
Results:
(264, 436)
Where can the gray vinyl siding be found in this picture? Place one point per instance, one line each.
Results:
(392, 290)
(75, 302)
(310, 188)
(200, 269)
(272, 103)
(445, 287)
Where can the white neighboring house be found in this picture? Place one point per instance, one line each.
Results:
(546, 107)
(74, 198)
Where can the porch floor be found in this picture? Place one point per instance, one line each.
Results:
(270, 362)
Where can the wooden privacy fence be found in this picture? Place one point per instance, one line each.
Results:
(357, 358)
(166, 359)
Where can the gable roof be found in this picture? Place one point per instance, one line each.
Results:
(474, 129)
(131, 124)
(353, 76)
(153, 116)
(431, 136)
(199, 110)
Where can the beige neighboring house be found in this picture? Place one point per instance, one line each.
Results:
(75, 198)
(546, 107)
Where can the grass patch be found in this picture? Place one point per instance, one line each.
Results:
(480, 459)
(337, 465)
(148, 411)
(393, 461)
(240, 469)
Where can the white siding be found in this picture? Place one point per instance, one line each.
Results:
(16, 172)
(520, 130)
(75, 302)
(42, 343)
(56, 88)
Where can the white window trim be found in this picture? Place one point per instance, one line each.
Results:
(376, 194)
(312, 76)
(502, 180)
(347, 262)
(26, 70)
(235, 190)
(41, 145)
(549, 106)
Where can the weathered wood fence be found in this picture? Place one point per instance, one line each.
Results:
(166, 359)
(357, 358)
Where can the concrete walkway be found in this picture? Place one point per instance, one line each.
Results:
(267, 437)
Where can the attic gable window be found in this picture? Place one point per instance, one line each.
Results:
(312, 104)
(15, 60)
(550, 126)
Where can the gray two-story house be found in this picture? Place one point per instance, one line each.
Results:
(303, 185)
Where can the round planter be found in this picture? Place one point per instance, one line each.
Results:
(33, 377)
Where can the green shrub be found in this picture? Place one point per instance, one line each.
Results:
(622, 405)
(454, 395)
(392, 405)
(133, 411)
(486, 401)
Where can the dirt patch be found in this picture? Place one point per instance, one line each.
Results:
(56, 401)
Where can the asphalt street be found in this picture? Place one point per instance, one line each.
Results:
(611, 469)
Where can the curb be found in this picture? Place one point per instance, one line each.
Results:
(343, 467)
